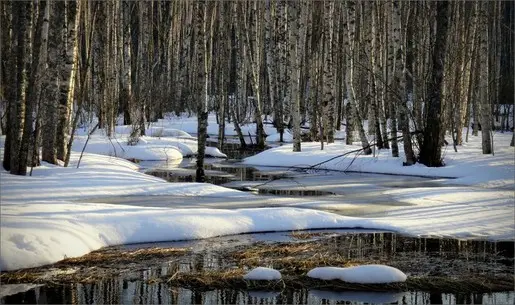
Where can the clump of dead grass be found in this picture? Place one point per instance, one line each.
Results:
(233, 279)
(306, 235)
(116, 256)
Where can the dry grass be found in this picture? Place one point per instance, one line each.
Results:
(296, 257)
(232, 279)
(93, 266)
(293, 260)
(305, 235)
(109, 257)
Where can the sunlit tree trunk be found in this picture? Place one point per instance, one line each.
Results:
(328, 72)
(402, 75)
(205, 26)
(253, 39)
(351, 95)
(299, 41)
(374, 83)
(485, 106)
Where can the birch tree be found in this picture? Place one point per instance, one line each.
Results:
(254, 39)
(349, 75)
(486, 110)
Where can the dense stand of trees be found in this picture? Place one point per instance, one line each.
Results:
(403, 66)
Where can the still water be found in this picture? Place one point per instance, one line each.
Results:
(113, 291)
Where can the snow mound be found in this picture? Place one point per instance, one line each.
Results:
(215, 152)
(366, 274)
(262, 274)
(172, 132)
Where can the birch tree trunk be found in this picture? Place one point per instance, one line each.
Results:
(351, 29)
(375, 70)
(204, 51)
(299, 41)
(254, 42)
(402, 75)
(68, 76)
(328, 71)
(390, 70)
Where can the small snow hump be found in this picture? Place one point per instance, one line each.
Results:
(366, 274)
(262, 274)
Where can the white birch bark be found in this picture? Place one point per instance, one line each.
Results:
(349, 77)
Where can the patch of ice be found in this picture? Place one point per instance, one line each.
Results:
(262, 274)
(366, 274)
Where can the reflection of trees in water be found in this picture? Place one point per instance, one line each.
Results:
(478, 256)
(117, 291)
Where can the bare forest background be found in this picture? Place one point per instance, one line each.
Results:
(421, 69)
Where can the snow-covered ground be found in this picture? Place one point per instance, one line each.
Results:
(42, 222)
(160, 144)
(468, 165)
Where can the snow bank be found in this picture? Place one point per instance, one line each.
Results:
(39, 233)
(468, 165)
(148, 148)
(98, 176)
(366, 274)
(189, 124)
(262, 274)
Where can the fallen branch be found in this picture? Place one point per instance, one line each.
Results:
(359, 150)
(85, 144)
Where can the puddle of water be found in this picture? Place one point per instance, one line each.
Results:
(217, 171)
(301, 192)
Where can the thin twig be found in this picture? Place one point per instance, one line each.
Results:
(87, 140)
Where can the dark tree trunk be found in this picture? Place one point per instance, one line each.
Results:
(349, 129)
(14, 96)
(430, 153)
(32, 93)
